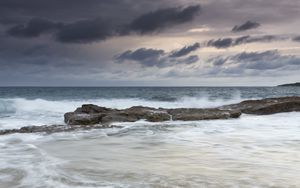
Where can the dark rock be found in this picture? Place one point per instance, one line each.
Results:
(92, 109)
(193, 114)
(74, 118)
(118, 117)
(266, 106)
(89, 115)
(92, 114)
(54, 128)
(149, 114)
(158, 116)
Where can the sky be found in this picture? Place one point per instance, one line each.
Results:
(149, 43)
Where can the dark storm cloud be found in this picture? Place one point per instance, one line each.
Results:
(77, 21)
(64, 10)
(92, 30)
(85, 31)
(185, 50)
(163, 18)
(246, 26)
(34, 28)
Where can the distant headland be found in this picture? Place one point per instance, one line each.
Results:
(293, 84)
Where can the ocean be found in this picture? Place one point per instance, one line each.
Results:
(251, 151)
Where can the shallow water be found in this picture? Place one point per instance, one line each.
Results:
(252, 151)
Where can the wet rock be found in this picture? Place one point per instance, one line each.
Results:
(55, 128)
(74, 118)
(193, 114)
(92, 114)
(107, 116)
(158, 116)
(267, 106)
(92, 109)
(117, 117)
(149, 114)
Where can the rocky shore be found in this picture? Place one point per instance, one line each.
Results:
(90, 116)
(297, 84)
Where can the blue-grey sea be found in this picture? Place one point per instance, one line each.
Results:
(251, 151)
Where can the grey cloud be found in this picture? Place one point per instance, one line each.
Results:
(246, 26)
(190, 60)
(264, 38)
(221, 43)
(218, 61)
(230, 42)
(266, 60)
(66, 10)
(85, 31)
(146, 57)
(256, 56)
(140, 54)
(187, 60)
(34, 28)
(154, 57)
(297, 39)
(160, 19)
(92, 30)
(273, 12)
(53, 57)
(185, 50)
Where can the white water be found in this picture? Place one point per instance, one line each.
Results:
(253, 151)
(15, 113)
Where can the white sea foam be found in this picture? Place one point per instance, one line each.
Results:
(252, 151)
(18, 112)
(20, 104)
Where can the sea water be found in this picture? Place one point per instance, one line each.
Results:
(251, 151)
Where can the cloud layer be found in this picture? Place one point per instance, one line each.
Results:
(93, 30)
(157, 57)
(246, 26)
(160, 19)
(34, 28)
(179, 41)
(230, 42)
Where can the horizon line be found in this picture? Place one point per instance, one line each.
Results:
(141, 86)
